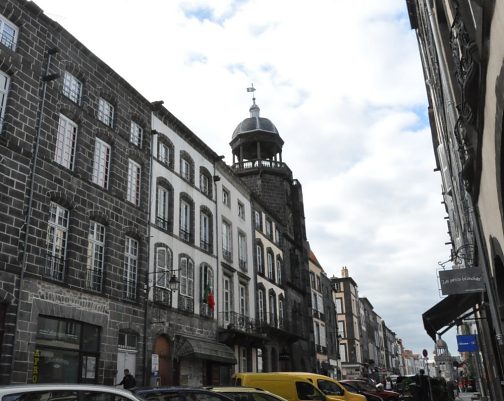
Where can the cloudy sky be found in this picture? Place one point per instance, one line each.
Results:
(342, 82)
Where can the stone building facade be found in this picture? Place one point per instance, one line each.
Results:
(74, 145)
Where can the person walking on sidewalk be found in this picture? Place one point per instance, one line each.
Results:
(422, 386)
(128, 380)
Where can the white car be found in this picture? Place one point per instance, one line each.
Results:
(65, 392)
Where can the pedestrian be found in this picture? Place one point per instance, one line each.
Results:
(422, 386)
(128, 380)
(388, 384)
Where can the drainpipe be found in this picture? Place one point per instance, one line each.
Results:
(217, 294)
(46, 78)
(148, 273)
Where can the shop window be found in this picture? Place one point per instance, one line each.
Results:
(66, 351)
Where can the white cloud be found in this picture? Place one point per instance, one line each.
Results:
(343, 84)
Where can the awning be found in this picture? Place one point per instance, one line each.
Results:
(205, 349)
(446, 311)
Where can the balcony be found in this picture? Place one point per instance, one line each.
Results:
(228, 255)
(206, 311)
(238, 322)
(185, 303)
(163, 223)
(163, 296)
(205, 245)
(185, 235)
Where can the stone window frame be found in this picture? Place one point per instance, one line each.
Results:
(72, 87)
(164, 223)
(205, 175)
(207, 246)
(9, 40)
(186, 233)
(66, 142)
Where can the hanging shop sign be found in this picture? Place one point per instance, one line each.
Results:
(467, 343)
(461, 281)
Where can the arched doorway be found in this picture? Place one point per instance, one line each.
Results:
(163, 349)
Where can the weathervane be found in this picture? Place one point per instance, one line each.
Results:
(252, 89)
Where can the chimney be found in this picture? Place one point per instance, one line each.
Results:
(344, 271)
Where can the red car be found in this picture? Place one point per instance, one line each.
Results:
(365, 388)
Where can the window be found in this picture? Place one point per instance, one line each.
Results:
(279, 271)
(260, 305)
(186, 168)
(277, 236)
(164, 153)
(227, 252)
(185, 221)
(269, 228)
(136, 134)
(205, 184)
(243, 300)
(242, 250)
(306, 391)
(9, 33)
(205, 231)
(343, 353)
(243, 359)
(130, 267)
(226, 197)
(259, 258)
(57, 231)
(207, 282)
(228, 296)
(339, 305)
(101, 167)
(319, 287)
(312, 280)
(163, 267)
(341, 328)
(106, 112)
(241, 210)
(4, 88)
(272, 309)
(163, 207)
(75, 344)
(257, 220)
(65, 142)
(95, 256)
(133, 192)
(281, 312)
(72, 87)
(186, 277)
(316, 328)
(271, 265)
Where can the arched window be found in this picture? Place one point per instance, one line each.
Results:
(205, 183)
(259, 258)
(164, 205)
(164, 263)
(279, 270)
(261, 302)
(272, 309)
(270, 258)
(207, 294)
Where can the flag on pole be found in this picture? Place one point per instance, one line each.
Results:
(208, 297)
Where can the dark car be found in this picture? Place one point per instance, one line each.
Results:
(179, 394)
(369, 396)
(378, 391)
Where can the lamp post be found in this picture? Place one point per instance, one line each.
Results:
(173, 284)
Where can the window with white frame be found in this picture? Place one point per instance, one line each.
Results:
(72, 87)
(4, 90)
(272, 309)
(343, 353)
(101, 166)
(205, 230)
(95, 256)
(205, 184)
(281, 312)
(227, 238)
(260, 305)
(259, 258)
(242, 250)
(65, 142)
(186, 286)
(185, 169)
(9, 33)
(185, 221)
(136, 134)
(163, 207)
(279, 271)
(133, 191)
(130, 267)
(241, 210)
(243, 359)
(164, 262)
(341, 329)
(271, 265)
(57, 232)
(322, 335)
(277, 235)
(207, 282)
(260, 361)
(227, 297)
(226, 197)
(105, 112)
(316, 331)
(312, 280)
(269, 228)
(339, 305)
(257, 220)
(164, 153)
(243, 299)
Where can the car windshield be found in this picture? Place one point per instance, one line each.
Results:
(329, 387)
(250, 396)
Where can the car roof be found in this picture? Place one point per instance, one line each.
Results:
(21, 388)
(171, 389)
(242, 389)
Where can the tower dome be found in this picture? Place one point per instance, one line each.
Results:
(256, 141)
